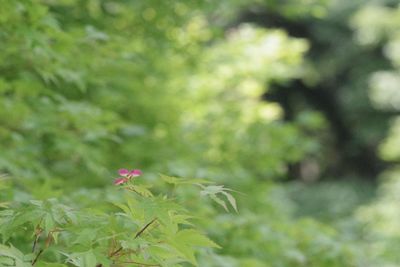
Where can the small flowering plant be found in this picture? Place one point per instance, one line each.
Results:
(141, 230)
(126, 175)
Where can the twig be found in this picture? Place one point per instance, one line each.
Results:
(37, 236)
(133, 190)
(145, 227)
(136, 236)
(38, 232)
(127, 252)
(120, 253)
(37, 257)
(115, 252)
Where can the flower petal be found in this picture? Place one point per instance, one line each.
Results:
(123, 172)
(119, 181)
(135, 173)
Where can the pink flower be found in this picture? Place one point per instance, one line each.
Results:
(126, 175)
(135, 173)
(119, 181)
(123, 172)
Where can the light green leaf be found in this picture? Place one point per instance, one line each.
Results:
(14, 256)
(195, 238)
(231, 200)
(219, 201)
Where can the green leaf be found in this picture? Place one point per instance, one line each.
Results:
(219, 201)
(177, 181)
(185, 241)
(13, 256)
(82, 259)
(50, 264)
(231, 200)
(195, 238)
(212, 190)
(142, 190)
(89, 259)
(48, 223)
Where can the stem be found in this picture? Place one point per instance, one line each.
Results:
(133, 190)
(115, 252)
(37, 257)
(38, 232)
(128, 251)
(136, 236)
(145, 227)
(35, 242)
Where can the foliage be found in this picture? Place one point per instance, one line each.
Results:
(88, 85)
(98, 91)
(381, 218)
(144, 230)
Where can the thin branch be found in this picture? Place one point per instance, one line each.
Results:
(38, 232)
(115, 252)
(120, 253)
(144, 228)
(111, 248)
(37, 236)
(132, 189)
(37, 257)
(136, 236)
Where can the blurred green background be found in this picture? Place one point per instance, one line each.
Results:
(295, 104)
